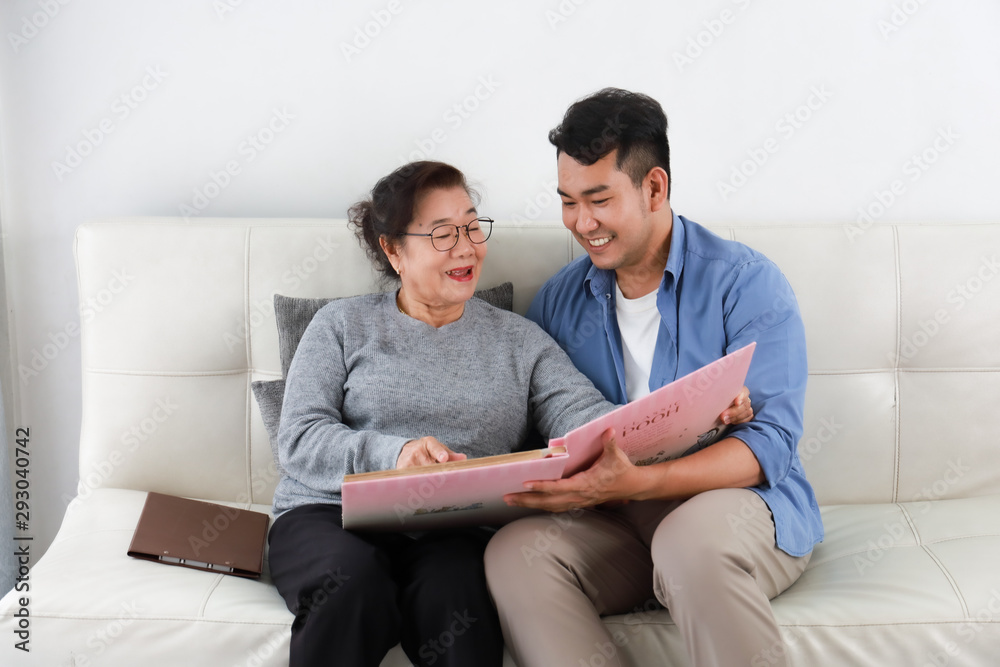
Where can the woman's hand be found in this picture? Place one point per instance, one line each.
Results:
(425, 451)
(740, 411)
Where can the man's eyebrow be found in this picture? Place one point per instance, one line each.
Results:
(594, 190)
(586, 193)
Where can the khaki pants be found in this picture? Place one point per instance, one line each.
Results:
(711, 560)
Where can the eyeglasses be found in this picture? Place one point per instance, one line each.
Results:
(445, 237)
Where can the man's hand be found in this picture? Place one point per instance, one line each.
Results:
(425, 451)
(740, 411)
(612, 477)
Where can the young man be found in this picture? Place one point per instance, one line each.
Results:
(711, 536)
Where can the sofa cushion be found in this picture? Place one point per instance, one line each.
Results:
(293, 315)
(892, 584)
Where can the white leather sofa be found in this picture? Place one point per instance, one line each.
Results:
(901, 441)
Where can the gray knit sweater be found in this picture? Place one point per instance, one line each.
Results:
(366, 379)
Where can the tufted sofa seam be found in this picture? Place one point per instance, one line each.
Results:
(887, 624)
(815, 562)
(895, 365)
(277, 374)
(208, 595)
(937, 561)
(113, 371)
(183, 619)
(238, 371)
(249, 347)
(88, 533)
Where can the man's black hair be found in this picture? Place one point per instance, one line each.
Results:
(614, 119)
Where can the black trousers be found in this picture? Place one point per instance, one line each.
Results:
(356, 595)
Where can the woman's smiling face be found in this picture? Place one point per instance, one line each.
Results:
(431, 278)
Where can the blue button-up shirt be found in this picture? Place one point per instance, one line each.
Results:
(716, 296)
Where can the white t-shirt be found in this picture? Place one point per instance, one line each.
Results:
(639, 324)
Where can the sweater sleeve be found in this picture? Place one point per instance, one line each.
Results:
(561, 398)
(315, 446)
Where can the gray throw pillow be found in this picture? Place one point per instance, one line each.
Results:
(293, 315)
(269, 395)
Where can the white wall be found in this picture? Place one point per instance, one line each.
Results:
(153, 97)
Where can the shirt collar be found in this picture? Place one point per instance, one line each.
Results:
(601, 281)
(675, 258)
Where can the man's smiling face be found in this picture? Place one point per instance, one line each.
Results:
(608, 215)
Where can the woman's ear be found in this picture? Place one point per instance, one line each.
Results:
(391, 251)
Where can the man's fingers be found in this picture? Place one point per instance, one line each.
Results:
(741, 410)
(608, 439)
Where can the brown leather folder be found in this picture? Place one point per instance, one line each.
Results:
(200, 535)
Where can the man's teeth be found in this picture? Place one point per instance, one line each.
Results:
(599, 242)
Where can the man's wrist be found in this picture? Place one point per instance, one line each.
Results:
(652, 482)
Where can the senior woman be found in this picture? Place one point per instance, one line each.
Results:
(416, 376)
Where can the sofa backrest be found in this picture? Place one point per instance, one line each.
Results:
(177, 320)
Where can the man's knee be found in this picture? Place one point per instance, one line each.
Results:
(505, 555)
(531, 544)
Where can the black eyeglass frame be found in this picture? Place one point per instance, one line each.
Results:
(458, 233)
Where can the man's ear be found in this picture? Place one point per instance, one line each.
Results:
(656, 187)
